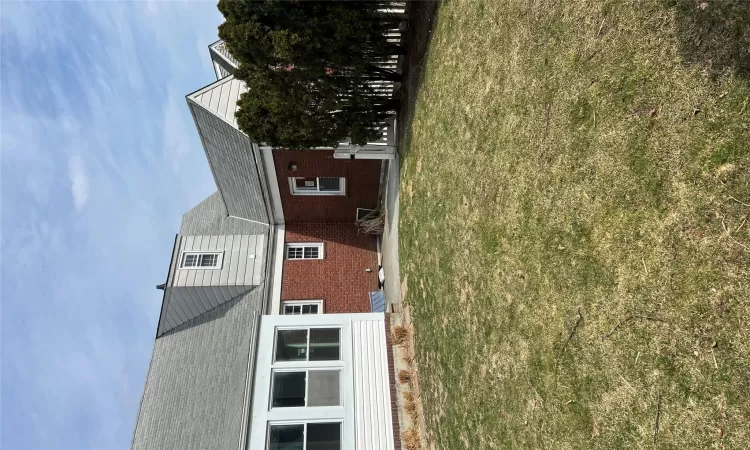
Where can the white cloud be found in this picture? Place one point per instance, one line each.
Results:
(79, 181)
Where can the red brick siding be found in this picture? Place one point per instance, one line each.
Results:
(392, 378)
(362, 185)
(340, 279)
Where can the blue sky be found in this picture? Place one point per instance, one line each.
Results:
(99, 160)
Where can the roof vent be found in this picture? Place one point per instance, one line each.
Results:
(161, 286)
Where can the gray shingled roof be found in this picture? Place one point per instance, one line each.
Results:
(239, 177)
(210, 217)
(196, 385)
(198, 380)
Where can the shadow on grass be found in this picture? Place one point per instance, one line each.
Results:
(422, 18)
(714, 34)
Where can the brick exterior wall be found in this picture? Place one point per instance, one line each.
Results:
(362, 186)
(392, 378)
(340, 279)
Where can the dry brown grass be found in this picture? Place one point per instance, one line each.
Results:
(411, 406)
(590, 155)
(404, 376)
(411, 439)
(401, 335)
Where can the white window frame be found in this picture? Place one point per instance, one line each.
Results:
(319, 245)
(219, 260)
(304, 434)
(296, 191)
(307, 369)
(318, 302)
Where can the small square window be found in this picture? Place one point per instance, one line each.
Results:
(305, 251)
(202, 260)
(301, 307)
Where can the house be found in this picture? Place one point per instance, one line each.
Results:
(267, 338)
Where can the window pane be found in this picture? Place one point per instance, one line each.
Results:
(330, 184)
(306, 309)
(288, 389)
(288, 309)
(323, 388)
(306, 184)
(311, 252)
(324, 436)
(294, 252)
(190, 260)
(208, 260)
(291, 345)
(313, 309)
(324, 344)
(287, 437)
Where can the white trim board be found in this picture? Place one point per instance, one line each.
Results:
(266, 154)
(278, 269)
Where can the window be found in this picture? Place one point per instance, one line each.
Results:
(304, 251)
(317, 185)
(305, 386)
(305, 436)
(313, 344)
(301, 307)
(300, 388)
(201, 260)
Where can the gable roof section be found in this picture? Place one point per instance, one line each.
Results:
(224, 62)
(197, 382)
(221, 97)
(208, 218)
(238, 173)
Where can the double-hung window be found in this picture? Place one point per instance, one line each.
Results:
(304, 251)
(201, 260)
(317, 185)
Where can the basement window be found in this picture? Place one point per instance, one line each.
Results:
(304, 251)
(317, 185)
(301, 307)
(199, 260)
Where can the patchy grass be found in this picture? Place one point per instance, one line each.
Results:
(582, 156)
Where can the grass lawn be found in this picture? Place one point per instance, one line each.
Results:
(592, 157)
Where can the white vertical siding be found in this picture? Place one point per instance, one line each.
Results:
(241, 259)
(221, 98)
(373, 426)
